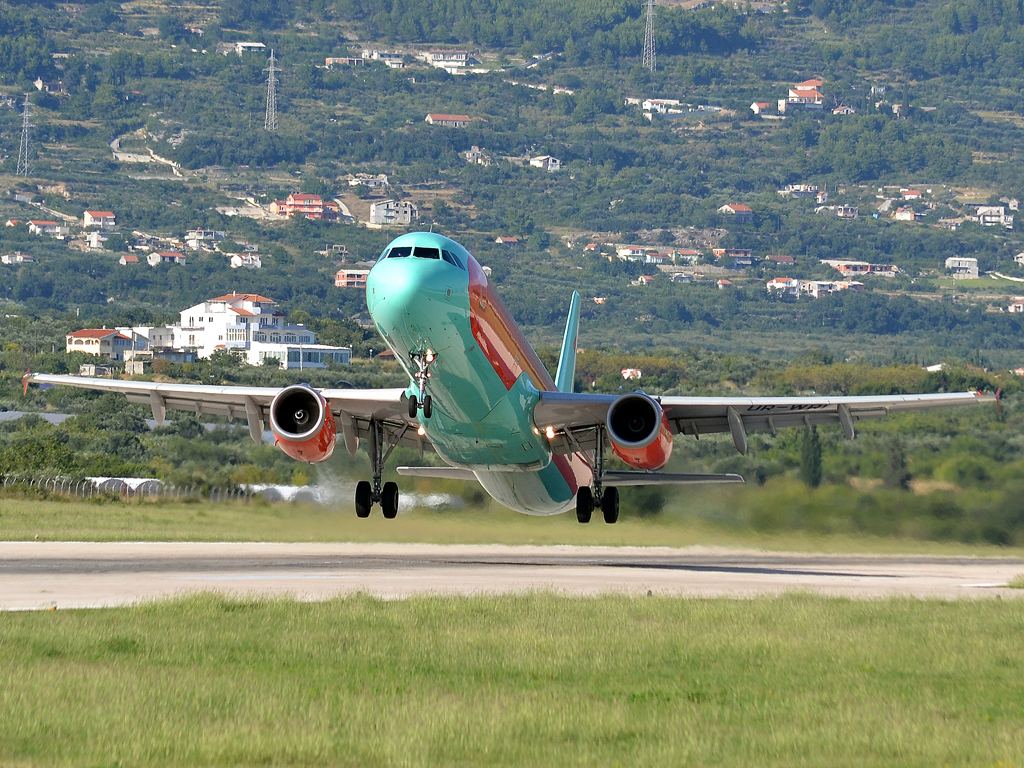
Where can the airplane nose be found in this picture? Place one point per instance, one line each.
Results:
(396, 287)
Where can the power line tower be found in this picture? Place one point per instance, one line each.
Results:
(270, 124)
(24, 166)
(650, 52)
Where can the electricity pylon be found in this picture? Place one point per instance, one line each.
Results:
(650, 50)
(270, 123)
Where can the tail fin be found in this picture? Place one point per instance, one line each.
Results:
(566, 374)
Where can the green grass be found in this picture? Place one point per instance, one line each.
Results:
(516, 681)
(23, 520)
(1016, 582)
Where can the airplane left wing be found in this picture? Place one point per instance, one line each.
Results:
(573, 417)
(353, 409)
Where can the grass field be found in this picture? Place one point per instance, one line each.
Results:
(22, 519)
(516, 681)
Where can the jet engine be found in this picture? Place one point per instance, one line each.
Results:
(639, 432)
(303, 424)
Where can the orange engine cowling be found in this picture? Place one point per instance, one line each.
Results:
(639, 432)
(303, 424)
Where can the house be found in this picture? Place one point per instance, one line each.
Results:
(503, 240)
(11, 259)
(165, 257)
(785, 286)
(41, 85)
(51, 228)
(661, 106)
(205, 239)
(741, 257)
(128, 258)
(101, 219)
(632, 373)
(1017, 306)
(95, 240)
(351, 278)
(686, 256)
(906, 213)
(449, 121)
(1019, 259)
(798, 190)
(818, 288)
(102, 342)
(760, 106)
(740, 212)
(546, 162)
(595, 248)
(723, 284)
(994, 216)
(844, 110)
(962, 268)
(630, 253)
(654, 257)
(392, 60)
(779, 259)
(246, 260)
(911, 194)
(681, 277)
(307, 205)
(847, 268)
(476, 156)
(447, 60)
(344, 61)
(847, 211)
(12, 223)
(646, 279)
(393, 212)
(241, 48)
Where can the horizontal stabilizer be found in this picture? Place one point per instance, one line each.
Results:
(442, 473)
(665, 478)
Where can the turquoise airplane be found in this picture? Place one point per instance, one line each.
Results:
(481, 399)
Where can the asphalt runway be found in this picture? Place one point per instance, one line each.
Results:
(40, 575)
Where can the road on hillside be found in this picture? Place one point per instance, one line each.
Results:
(40, 575)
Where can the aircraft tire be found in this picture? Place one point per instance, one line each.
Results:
(610, 505)
(428, 406)
(413, 406)
(584, 504)
(363, 499)
(389, 500)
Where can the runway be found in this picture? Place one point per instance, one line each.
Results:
(41, 575)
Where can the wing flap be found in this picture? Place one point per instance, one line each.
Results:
(624, 478)
(441, 473)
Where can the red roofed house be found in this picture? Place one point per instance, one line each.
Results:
(51, 228)
(310, 206)
(760, 106)
(503, 240)
(101, 342)
(742, 213)
(351, 278)
(912, 194)
(128, 258)
(449, 121)
(780, 259)
(101, 219)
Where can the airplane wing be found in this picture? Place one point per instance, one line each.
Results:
(352, 408)
(574, 416)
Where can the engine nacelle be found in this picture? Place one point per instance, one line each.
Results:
(639, 431)
(303, 424)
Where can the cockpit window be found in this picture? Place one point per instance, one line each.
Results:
(400, 251)
(427, 253)
(451, 258)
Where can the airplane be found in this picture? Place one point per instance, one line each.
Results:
(481, 399)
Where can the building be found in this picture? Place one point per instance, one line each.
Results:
(779, 259)
(739, 257)
(962, 268)
(630, 253)
(392, 60)
(241, 48)
(165, 257)
(546, 162)
(799, 190)
(101, 342)
(449, 121)
(847, 211)
(911, 194)
(476, 156)
(905, 213)
(1017, 306)
(128, 258)
(390, 212)
(351, 278)
(785, 286)
(101, 219)
(51, 228)
(805, 95)
(504, 240)
(205, 239)
(760, 106)
(661, 106)
(304, 204)
(849, 268)
(818, 288)
(246, 260)
(11, 259)
(448, 60)
(844, 110)
(740, 212)
(380, 181)
(994, 216)
(344, 61)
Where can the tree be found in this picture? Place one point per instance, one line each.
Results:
(895, 474)
(810, 458)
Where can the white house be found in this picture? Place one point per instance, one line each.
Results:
(994, 216)
(203, 238)
(661, 106)
(760, 106)
(247, 260)
(963, 268)
(241, 48)
(11, 259)
(165, 257)
(51, 228)
(101, 219)
(547, 162)
(740, 212)
(393, 212)
(786, 286)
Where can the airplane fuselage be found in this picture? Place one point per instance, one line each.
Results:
(428, 293)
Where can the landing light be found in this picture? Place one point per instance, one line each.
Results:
(549, 432)
(421, 431)
(430, 355)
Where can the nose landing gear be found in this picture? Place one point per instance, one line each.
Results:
(423, 361)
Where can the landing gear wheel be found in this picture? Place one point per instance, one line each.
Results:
(428, 406)
(389, 500)
(413, 406)
(363, 499)
(610, 504)
(584, 504)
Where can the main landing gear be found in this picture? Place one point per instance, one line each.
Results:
(385, 494)
(423, 361)
(605, 499)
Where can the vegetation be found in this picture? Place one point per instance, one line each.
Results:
(502, 681)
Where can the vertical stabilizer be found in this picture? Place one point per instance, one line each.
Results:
(567, 359)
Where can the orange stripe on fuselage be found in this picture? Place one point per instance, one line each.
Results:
(499, 337)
